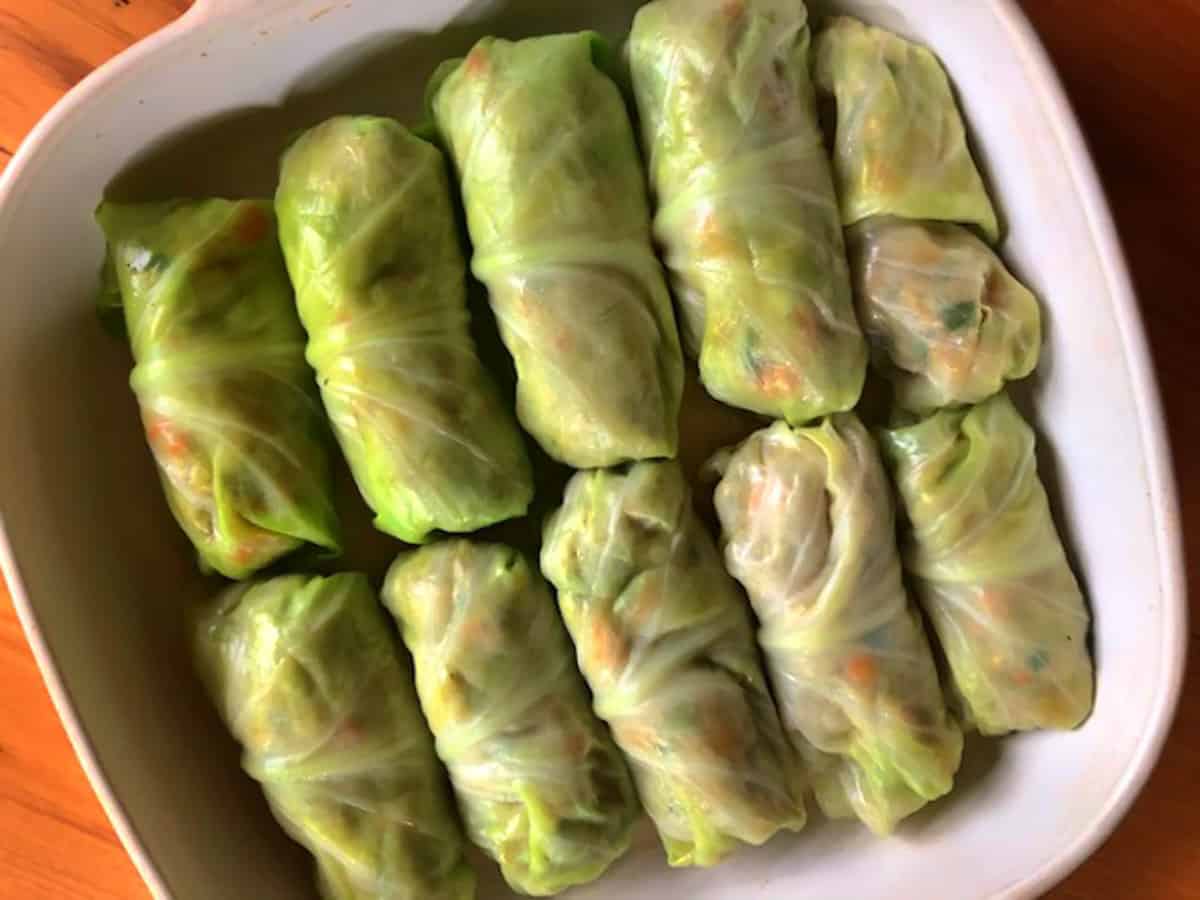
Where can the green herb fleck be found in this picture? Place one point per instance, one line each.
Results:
(958, 316)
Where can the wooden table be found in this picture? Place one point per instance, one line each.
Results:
(1132, 68)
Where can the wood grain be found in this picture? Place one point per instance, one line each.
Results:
(1131, 68)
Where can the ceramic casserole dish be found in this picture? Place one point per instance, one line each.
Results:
(101, 577)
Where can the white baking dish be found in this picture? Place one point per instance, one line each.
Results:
(101, 576)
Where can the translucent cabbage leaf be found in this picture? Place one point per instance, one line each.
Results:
(306, 674)
(542, 787)
(989, 568)
(747, 214)
(557, 210)
(227, 401)
(809, 532)
(901, 145)
(947, 322)
(368, 231)
(109, 308)
(664, 638)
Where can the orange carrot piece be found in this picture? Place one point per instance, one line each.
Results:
(778, 380)
(608, 645)
(862, 670)
(476, 62)
(993, 602)
(164, 435)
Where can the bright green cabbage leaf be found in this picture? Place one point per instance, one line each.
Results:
(808, 527)
(228, 404)
(541, 785)
(989, 568)
(368, 231)
(746, 208)
(306, 674)
(109, 308)
(664, 638)
(557, 209)
(901, 146)
(947, 321)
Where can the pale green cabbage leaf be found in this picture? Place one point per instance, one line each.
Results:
(747, 215)
(558, 214)
(227, 401)
(368, 230)
(664, 638)
(947, 321)
(543, 789)
(900, 146)
(990, 570)
(308, 677)
(808, 527)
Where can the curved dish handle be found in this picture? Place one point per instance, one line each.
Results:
(210, 9)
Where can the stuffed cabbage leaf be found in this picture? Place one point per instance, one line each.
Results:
(809, 532)
(948, 323)
(541, 785)
(663, 637)
(368, 231)
(989, 568)
(747, 213)
(557, 210)
(901, 145)
(227, 401)
(307, 676)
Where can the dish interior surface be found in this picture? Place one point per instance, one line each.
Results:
(205, 108)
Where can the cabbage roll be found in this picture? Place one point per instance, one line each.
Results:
(947, 322)
(809, 532)
(989, 568)
(541, 785)
(557, 210)
(307, 676)
(747, 214)
(227, 401)
(664, 638)
(901, 145)
(368, 231)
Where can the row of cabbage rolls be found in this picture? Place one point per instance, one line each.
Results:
(790, 274)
